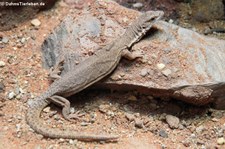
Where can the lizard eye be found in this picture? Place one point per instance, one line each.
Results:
(152, 19)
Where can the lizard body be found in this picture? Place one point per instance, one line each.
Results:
(86, 73)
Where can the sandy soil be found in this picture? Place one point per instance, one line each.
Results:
(141, 121)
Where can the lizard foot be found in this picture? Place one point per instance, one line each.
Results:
(61, 101)
(55, 72)
(75, 115)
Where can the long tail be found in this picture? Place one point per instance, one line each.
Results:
(33, 119)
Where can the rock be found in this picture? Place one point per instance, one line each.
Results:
(5, 40)
(173, 121)
(139, 123)
(11, 95)
(2, 64)
(166, 72)
(221, 141)
(35, 22)
(137, 5)
(130, 117)
(132, 98)
(84, 124)
(103, 108)
(163, 133)
(71, 142)
(23, 40)
(200, 82)
(18, 127)
(214, 119)
(144, 72)
(46, 110)
(160, 66)
(200, 129)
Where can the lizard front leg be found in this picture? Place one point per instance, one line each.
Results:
(61, 101)
(131, 55)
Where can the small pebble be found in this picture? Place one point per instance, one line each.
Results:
(215, 119)
(162, 133)
(11, 95)
(171, 21)
(139, 123)
(221, 141)
(200, 129)
(129, 116)
(23, 40)
(71, 142)
(47, 110)
(2, 64)
(35, 22)
(137, 5)
(2, 87)
(103, 108)
(5, 40)
(144, 72)
(18, 127)
(132, 98)
(166, 72)
(173, 121)
(160, 66)
(84, 124)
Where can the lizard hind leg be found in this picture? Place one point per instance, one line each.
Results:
(65, 103)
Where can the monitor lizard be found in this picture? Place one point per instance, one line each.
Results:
(86, 73)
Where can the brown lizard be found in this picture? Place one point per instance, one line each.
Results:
(86, 73)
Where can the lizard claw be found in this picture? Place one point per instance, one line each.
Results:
(76, 116)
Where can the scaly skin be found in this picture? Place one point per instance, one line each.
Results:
(88, 72)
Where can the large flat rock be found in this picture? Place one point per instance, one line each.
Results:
(176, 62)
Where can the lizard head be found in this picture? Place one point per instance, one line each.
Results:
(140, 27)
(148, 18)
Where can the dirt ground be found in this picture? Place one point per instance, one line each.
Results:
(141, 121)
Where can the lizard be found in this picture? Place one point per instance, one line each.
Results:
(86, 73)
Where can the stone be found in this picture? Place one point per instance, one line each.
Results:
(173, 121)
(2, 64)
(220, 141)
(160, 66)
(139, 123)
(132, 98)
(163, 133)
(11, 95)
(35, 22)
(5, 40)
(202, 78)
(46, 110)
(23, 40)
(144, 72)
(166, 72)
(137, 5)
(129, 116)
(200, 129)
